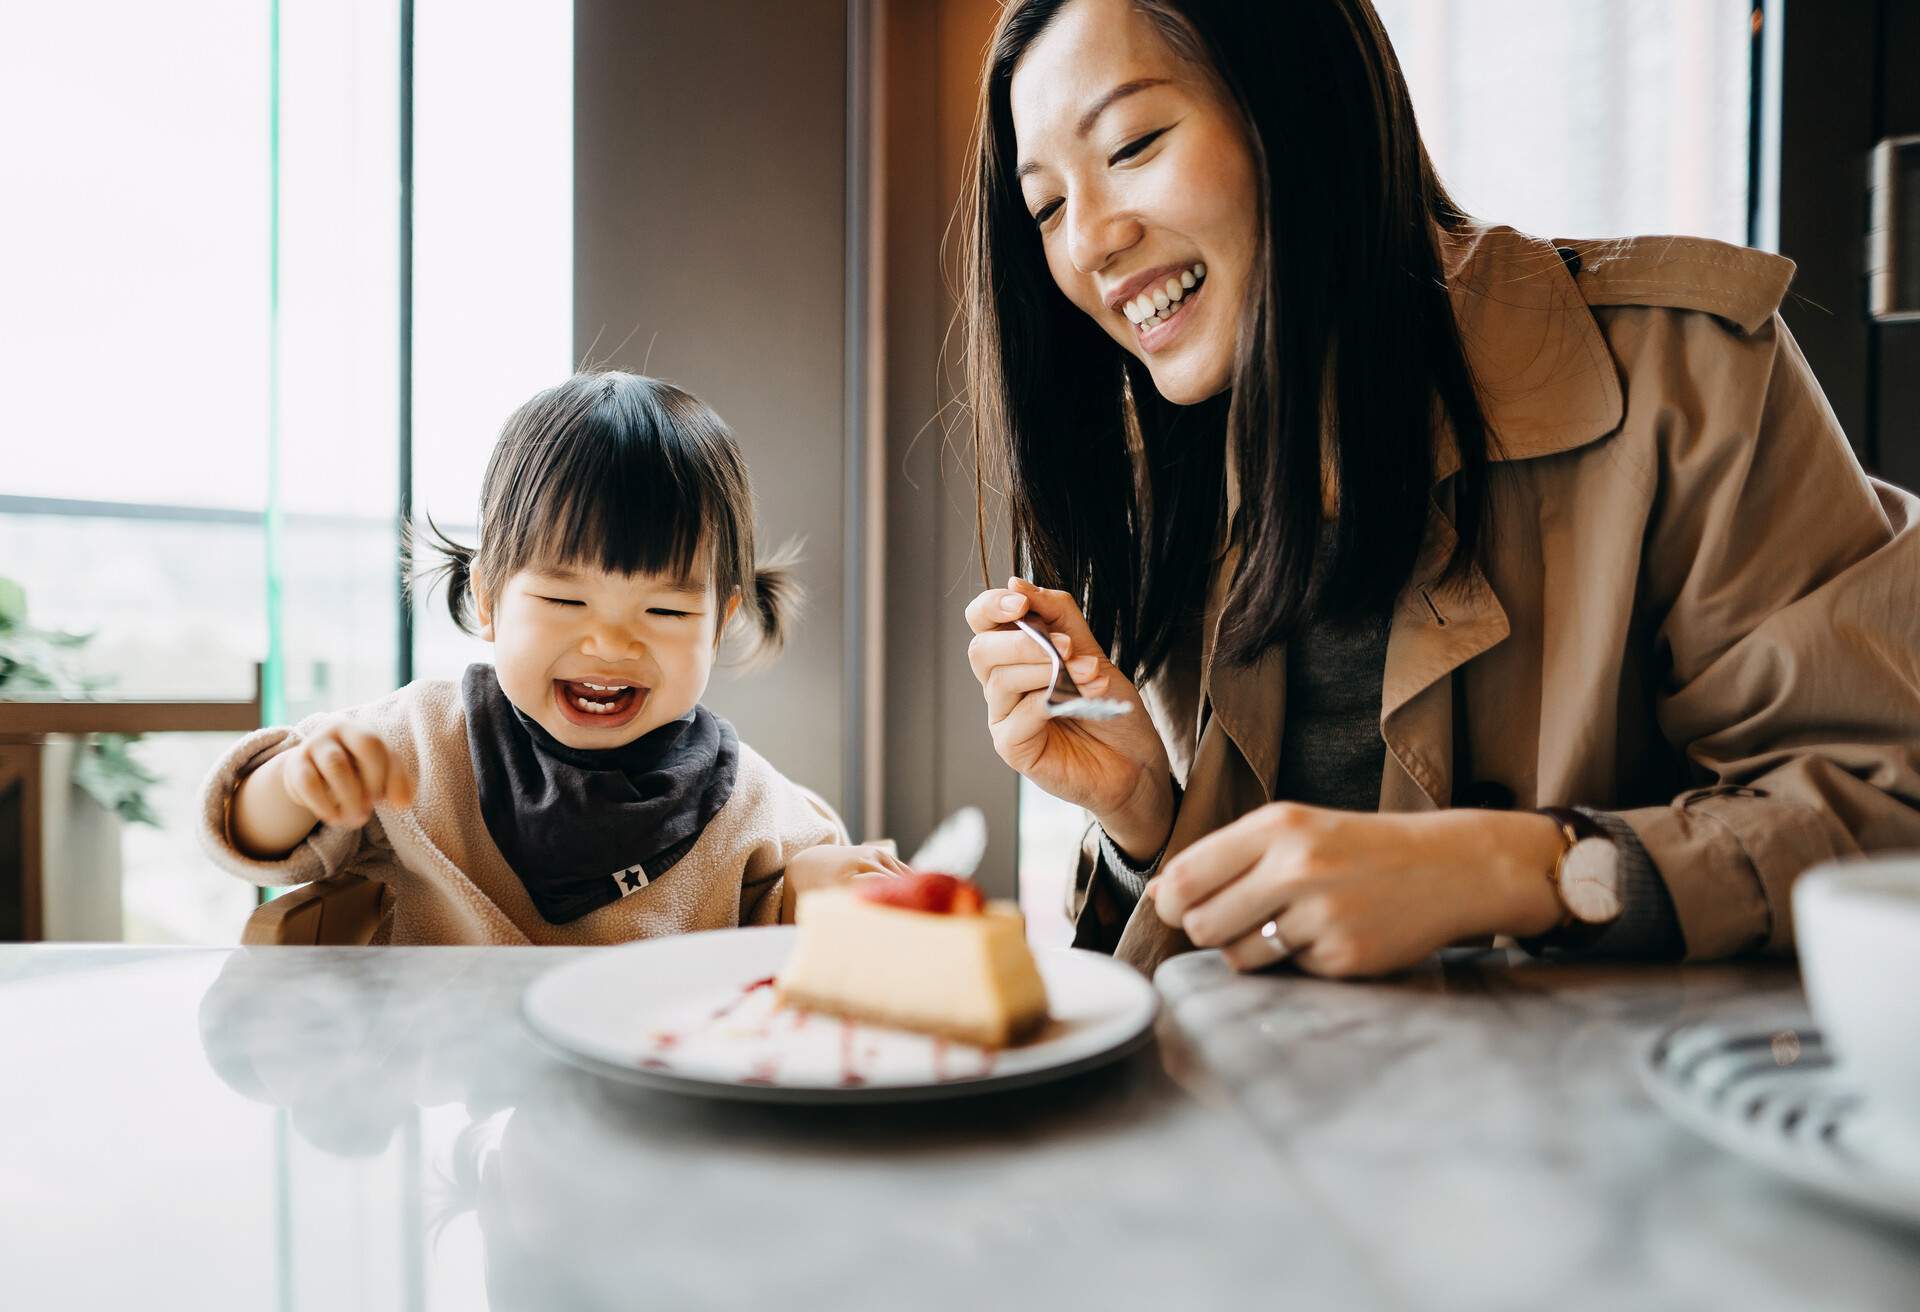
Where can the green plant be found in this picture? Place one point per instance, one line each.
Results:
(45, 661)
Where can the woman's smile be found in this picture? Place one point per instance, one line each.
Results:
(1158, 313)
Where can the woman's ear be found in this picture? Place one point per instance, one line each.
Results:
(482, 605)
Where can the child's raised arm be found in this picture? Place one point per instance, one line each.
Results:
(335, 774)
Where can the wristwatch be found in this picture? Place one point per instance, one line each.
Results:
(1586, 878)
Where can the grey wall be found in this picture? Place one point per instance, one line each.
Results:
(937, 749)
(710, 232)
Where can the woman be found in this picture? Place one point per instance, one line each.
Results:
(1400, 527)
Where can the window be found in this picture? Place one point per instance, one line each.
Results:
(203, 362)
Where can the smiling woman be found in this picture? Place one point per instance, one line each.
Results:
(1422, 549)
(1131, 148)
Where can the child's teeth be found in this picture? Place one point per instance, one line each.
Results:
(593, 708)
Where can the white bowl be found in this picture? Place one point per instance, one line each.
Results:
(1858, 927)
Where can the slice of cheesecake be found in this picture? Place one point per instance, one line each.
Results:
(925, 952)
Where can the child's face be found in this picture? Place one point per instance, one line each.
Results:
(647, 641)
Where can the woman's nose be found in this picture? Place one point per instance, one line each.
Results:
(1096, 232)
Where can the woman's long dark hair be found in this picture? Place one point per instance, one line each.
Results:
(1347, 343)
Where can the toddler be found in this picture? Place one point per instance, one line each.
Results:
(575, 790)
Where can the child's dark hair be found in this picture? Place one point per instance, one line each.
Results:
(627, 474)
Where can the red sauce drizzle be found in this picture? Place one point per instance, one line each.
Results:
(849, 1078)
(663, 1039)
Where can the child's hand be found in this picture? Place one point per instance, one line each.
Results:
(337, 775)
(341, 771)
(828, 866)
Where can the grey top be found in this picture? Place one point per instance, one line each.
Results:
(1332, 755)
(374, 1127)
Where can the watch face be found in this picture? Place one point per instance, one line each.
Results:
(1590, 881)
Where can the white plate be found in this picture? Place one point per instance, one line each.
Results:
(692, 1013)
(1764, 1087)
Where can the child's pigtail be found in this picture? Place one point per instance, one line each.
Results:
(776, 602)
(447, 559)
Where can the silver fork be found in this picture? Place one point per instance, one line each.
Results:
(1064, 700)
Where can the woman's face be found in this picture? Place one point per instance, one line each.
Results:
(1137, 172)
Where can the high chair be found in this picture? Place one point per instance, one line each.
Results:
(340, 912)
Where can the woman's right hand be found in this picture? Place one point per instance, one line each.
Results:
(1117, 768)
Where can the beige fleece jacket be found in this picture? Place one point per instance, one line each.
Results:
(449, 881)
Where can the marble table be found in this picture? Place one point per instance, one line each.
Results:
(350, 1128)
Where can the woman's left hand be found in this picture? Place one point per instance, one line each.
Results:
(1360, 893)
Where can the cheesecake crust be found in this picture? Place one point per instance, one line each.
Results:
(1017, 1030)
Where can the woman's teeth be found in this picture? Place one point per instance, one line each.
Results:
(1158, 304)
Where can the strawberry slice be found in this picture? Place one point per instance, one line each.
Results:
(940, 895)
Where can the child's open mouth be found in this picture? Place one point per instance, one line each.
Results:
(598, 705)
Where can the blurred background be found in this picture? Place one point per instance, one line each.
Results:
(276, 270)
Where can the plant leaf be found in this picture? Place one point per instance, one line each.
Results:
(13, 605)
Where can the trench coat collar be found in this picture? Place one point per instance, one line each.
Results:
(1547, 384)
(1541, 368)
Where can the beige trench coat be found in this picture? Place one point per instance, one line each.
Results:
(1696, 610)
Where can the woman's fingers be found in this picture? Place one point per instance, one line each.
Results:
(1240, 907)
(1060, 612)
(988, 651)
(1203, 869)
(994, 608)
(1008, 685)
(1019, 737)
(1295, 931)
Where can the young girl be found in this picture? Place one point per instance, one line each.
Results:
(574, 791)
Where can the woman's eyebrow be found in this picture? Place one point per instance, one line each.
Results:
(1094, 111)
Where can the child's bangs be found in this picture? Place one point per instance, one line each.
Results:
(626, 475)
(623, 526)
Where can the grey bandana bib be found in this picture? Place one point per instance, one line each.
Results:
(585, 828)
